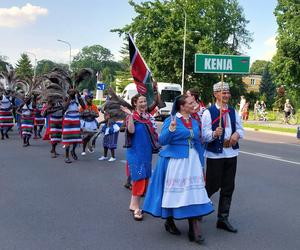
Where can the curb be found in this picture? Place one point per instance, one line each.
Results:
(271, 132)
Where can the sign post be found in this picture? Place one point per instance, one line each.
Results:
(100, 87)
(221, 64)
(226, 64)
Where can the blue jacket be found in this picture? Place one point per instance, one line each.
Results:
(176, 143)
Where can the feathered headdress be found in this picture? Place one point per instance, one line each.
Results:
(58, 82)
(9, 82)
(112, 106)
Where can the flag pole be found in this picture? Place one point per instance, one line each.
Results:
(221, 108)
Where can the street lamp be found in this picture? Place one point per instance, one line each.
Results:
(69, 44)
(35, 62)
(183, 54)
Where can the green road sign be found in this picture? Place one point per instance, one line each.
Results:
(229, 64)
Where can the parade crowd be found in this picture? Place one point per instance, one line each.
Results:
(178, 186)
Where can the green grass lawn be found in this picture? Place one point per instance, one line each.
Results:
(265, 127)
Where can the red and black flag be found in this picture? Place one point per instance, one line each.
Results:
(140, 72)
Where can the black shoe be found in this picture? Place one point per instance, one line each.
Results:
(74, 156)
(225, 225)
(171, 227)
(6, 135)
(67, 160)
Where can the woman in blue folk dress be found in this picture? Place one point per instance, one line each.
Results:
(177, 189)
(141, 142)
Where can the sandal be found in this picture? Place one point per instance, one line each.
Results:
(128, 185)
(137, 215)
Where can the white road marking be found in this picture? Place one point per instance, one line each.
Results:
(271, 157)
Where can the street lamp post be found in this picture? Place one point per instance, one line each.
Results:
(183, 54)
(70, 47)
(35, 63)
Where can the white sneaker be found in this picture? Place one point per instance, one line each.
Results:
(102, 158)
(83, 153)
(112, 159)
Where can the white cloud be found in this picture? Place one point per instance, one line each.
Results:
(59, 56)
(271, 48)
(15, 16)
(271, 41)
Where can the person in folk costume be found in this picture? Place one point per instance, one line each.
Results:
(141, 143)
(12, 86)
(6, 115)
(26, 110)
(39, 120)
(54, 113)
(19, 100)
(89, 123)
(56, 84)
(177, 188)
(199, 104)
(157, 104)
(110, 129)
(221, 151)
(71, 133)
(199, 108)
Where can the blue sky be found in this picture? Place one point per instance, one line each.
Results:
(35, 25)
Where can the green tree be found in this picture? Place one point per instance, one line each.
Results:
(267, 87)
(286, 63)
(3, 63)
(258, 67)
(97, 58)
(213, 26)
(45, 66)
(24, 69)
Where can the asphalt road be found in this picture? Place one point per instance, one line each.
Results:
(46, 204)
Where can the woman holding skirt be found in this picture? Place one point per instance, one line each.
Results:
(177, 189)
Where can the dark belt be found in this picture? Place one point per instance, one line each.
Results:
(226, 144)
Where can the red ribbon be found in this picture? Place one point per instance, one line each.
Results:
(224, 116)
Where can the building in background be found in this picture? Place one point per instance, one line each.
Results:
(252, 83)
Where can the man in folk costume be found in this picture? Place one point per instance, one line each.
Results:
(6, 116)
(221, 151)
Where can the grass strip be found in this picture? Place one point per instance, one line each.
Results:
(270, 128)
